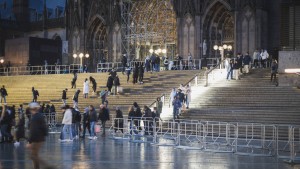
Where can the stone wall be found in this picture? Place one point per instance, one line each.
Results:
(288, 60)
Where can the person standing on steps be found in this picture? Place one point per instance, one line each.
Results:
(264, 56)
(93, 121)
(141, 74)
(124, 63)
(236, 70)
(119, 123)
(182, 100)
(110, 83)
(188, 93)
(274, 70)
(116, 84)
(172, 96)
(128, 72)
(3, 94)
(75, 98)
(86, 88)
(228, 68)
(35, 94)
(159, 106)
(247, 60)
(239, 60)
(64, 97)
(166, 63)
(37, 133)
(73, 83)
(135, 74)
(256, 56)
(94, 83)
(176, 107)
(152, 60)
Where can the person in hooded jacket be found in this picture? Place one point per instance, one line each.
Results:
(86, 122)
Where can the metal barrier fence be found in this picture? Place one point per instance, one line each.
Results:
(38, 70)
(194, 64)
(220, 137)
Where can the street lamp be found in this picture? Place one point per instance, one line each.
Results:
(151, 50)
(81, 56)
(1, 61)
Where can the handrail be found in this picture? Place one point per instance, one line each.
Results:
(163, 95)
(210, 70)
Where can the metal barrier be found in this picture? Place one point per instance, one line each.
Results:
(53, 121)
(256, 139)
(39, 70)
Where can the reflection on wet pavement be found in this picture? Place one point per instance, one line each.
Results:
(106, 153)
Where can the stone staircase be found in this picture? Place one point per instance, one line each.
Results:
(50, 88)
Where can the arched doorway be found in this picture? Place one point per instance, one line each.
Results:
(218, 27)
(146, 25)
(96, 42)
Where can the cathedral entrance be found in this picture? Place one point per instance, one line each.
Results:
(97, 41)
(148, 27)
(218, 28)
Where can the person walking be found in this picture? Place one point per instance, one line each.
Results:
(247, 60)
(67, 122)
(182, 99)
(94, 83)
(75, 98)
(239, 60)
(148, 64)
(188, 93)
(86, 88)
(3, 94)
(236, 70)
(73, 82)
(37, 132)
(93, 121)
(20, 129)
(256, 57)
(110, 83)
(264, 56)
(35, 94)
(159, 106)
(103, 117)
(64, 96)
(172, 96)
(157, 63)
(5, 122)
(116, 84)
(228, 68)
(274, 70)
(141, 74)
(152, 61)
(176, 107)
(166, 63)
(103, 96)
(135, 74)
(76, 119)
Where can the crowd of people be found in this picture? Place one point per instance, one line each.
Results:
(242, 64)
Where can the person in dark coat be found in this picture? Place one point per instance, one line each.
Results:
(35, 94)
(152, 62)
(20, 132)
(3, 94)
(94, 83)
(64, 97)
(103, 117)
(93, 121)
(110, 83)
(37, 133)
(137, 115)
(86, 122)
(5, 122)
(73, 82)
(124, 63)
(135, 74)
(75, 98)
(239, 60)
(157, 63)
(141, 74)
(119, 123)
(113, 73)
(148, 120)
(116, 84)
(128, 72)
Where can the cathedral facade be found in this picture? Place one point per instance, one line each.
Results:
(107, 29)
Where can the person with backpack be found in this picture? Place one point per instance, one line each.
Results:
(37, 133)
(3, 94)
(35, 94)
(103, 96)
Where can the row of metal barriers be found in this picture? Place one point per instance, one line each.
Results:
(219, 137)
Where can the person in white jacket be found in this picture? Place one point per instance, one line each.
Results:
(172, 96)
(86, 88)
(264, 56)
(67, 122)
(188, 90)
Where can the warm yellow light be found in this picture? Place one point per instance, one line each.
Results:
(87, 55)
(164, 51)
(74, 55)
(225, 46)
(220, 48)
(229, 47)
(151, 50)
(159, 50)
(292, 70)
